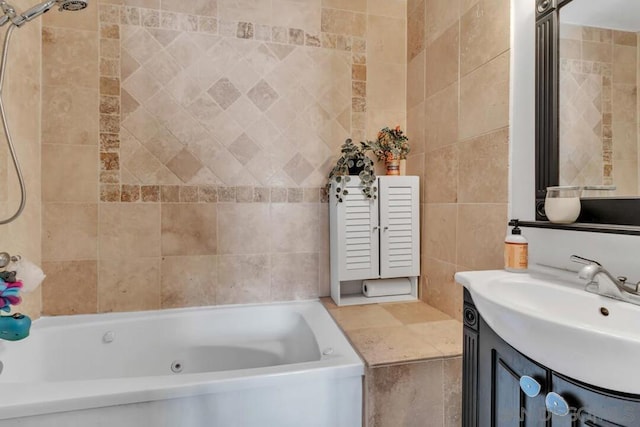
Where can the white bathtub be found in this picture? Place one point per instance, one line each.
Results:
(271, 365)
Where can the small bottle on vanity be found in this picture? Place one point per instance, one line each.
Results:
(516, 250)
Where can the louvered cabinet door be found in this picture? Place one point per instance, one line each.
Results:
(400, 226)
(357, 236)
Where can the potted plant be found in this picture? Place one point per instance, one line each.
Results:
(353, 161)
(392, 146)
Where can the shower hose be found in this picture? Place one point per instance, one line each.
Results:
(7, 133)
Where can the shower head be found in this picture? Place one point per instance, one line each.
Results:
(72, 5)
(37, 10)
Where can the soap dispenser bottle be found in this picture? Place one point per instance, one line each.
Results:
(516, 250)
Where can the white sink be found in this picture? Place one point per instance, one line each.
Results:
(554, 321)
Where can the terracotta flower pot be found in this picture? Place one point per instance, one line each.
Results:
(393, 167)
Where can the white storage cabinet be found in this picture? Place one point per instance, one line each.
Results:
(374, 239)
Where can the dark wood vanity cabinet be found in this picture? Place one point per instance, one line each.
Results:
(493, 395)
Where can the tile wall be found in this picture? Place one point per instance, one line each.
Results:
(22, 103)
(458, 110)
(598, 104)
(186, 145)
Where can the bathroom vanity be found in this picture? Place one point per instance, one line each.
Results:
(493, 394)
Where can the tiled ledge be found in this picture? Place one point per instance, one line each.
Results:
(396, 333)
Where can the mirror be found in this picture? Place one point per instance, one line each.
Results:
(587, 105)
(598, 97)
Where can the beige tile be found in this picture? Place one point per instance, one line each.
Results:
(441, 15)
(304, 15)
(391, 345)
(193, 7)
(415, 128)
(343, 22)
(141, 85)
(441, 118)
(352, 5)
(570, 49)
(445, 335)
(596, 51)
(137, 49)
(185, 165)
(69, 173)
(441, 68)
(86, 19)
(414, 312)
(379, 118)
(442, 175)
(129, 284)
(69, 57)
(142, 125)
(480, 238)
(188, 281)
(243, 228)
(390, 8)
(23, 87)
(466, 5)
(625, 38)
(243, 279)
(294, 227)
(386, 87)
(439, 231)
(189, 229)
(405, 395)
(148, 4)
(452, 385)
(69, 115)
(439, 289)
(416, 81)
(256, 11)
(570, 31)
(70, 288)
(386, 40)
(294, 276)
(416, 30)
(484, 33)
(324, 261)
(65, 223)
(484, 98)
(415, 166)
(483, 168)
(129, 230)
(363, 316)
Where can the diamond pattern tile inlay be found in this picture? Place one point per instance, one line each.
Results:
(262, 95)
(224, 93)
(222, 110)
(244, 149)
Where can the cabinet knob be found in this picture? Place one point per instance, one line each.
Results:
(530, 386)
(376, 228)
(556, 404)
(385, 228)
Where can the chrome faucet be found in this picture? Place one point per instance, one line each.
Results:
(601, 282)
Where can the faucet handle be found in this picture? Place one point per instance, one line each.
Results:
(585, 261)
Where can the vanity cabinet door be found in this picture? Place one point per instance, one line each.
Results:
(592, 407)
(501, 400)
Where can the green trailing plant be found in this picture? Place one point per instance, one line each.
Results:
(353, 157)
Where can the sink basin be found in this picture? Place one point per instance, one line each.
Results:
(550, 318)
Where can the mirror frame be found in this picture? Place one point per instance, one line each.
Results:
(614, 211)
